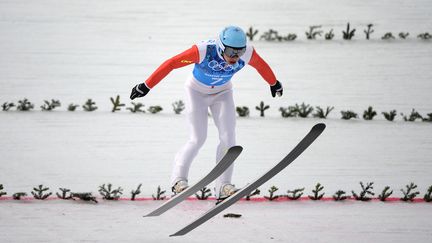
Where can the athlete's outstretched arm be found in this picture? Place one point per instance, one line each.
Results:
(266, 72)
(185, 58)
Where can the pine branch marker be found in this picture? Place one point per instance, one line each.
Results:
(366, 190)
(295, 194)
(159, 194)
(203, 194)
(320, 113)
(136, 107)
(1, 191)
(64, 195)
(408, 194)
(108, 193)
(155, 109)
(25, 105)
(39, 192)
(90, 105)
(18, 195)
(136, 192)
(7, 105)
(272, 190)
(49, 106)
(178, 106)
(254, 193)
(340, 196)
(389, 116)
(262, 108)
(86, 196)
(428, 196)
(116, 104)
(369, 113)
(385, 194)
(316, 191)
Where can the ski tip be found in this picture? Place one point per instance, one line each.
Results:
(319, 126)
(236, 148)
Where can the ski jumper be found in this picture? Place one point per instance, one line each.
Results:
(209, 87)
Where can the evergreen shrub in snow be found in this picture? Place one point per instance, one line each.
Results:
(413, 116)
(425, 36)
(428, 196)
(2, 193)
(271, 35)
(389, 116)
(388, 36)
(348, 34)
(347, 115)
(25, 105)
(136, 107)
(154, 109)
(261, 108)
(403, 35)
(303, 110)
(72, 107)
(290, 111)
(159, 194)
(313, 32)
(243, 111)
(109, 193)
(251, 33)
(369, 113)
(116, 103)
(272, 196)
(65, 194)
(320, 113)
(316, 192)
(134, 193)
(295, 194)
(330, 35)
(178, 106)
(254, 193)
(366, 190)
(429, 118)
(18, 195)
(40, 192)
(90, 105)
(50, 105)
(7, 105)
(203, 194)
(409, 194)
(385, 194)
(86, 196)
(339, 195)
(369, 31)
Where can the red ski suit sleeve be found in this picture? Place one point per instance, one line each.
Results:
(191, 55)
(263, 68)
(185, 58)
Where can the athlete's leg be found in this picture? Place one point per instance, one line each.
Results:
(197, 113)
(224, 116)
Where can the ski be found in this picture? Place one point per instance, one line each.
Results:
(302, 146)
(220, 167)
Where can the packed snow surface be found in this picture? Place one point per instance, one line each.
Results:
(78, 50)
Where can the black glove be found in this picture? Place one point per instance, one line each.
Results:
(276, 89)
(140, 90)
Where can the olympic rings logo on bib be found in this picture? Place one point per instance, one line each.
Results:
(218, 66)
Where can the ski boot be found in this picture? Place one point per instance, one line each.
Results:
(226, 191)
(179, 186)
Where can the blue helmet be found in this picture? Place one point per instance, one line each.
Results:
(232, 36)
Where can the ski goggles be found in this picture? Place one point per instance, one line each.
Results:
(233, 52)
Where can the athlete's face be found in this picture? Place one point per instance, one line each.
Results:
(231, 60)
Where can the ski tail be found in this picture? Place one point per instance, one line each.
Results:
(299, 149)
